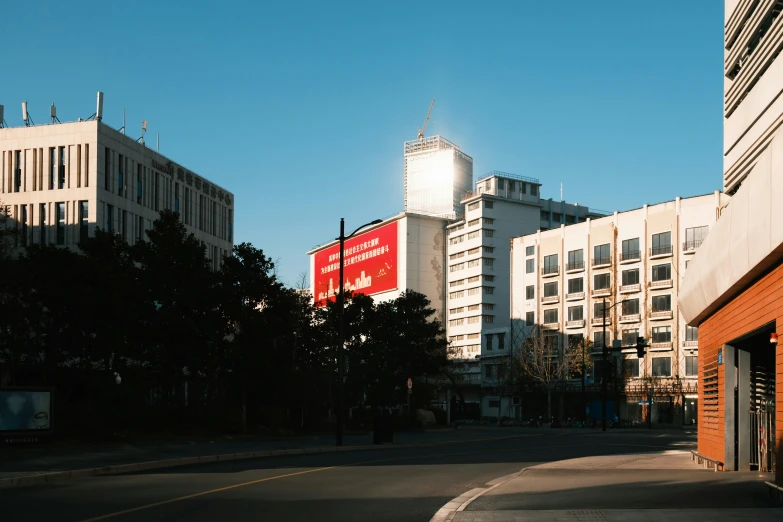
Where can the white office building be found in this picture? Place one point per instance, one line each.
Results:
(501, 206)
(60, 181)
(437, 176)
(561, 277)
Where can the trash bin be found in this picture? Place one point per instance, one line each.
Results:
(383, 429)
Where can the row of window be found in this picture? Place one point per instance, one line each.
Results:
(471, 308)
(510, 186)
(474, 319)
(660, 303)
(487, 261)
(472, 251)
(46, 223)
(474, 279)
(662, 272)
(65, 167)
(660, 244)
(475, 205)
(488, 290)
(478, 221)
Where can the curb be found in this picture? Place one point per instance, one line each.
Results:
(42, 478)
(450, 509)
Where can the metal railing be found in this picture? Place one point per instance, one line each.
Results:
(762, 440)
(575, 295)
(575, 323)
(633, 254)
(692, 245)
(598, 261)
(550, 299)
(630, 288)
(630, 318)
(550, 270)
(661, 283)
(576, 265)
(601, 291)
(660, 250)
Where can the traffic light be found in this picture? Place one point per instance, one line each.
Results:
(641, 344)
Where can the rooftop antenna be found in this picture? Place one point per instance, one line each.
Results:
(427, 119)
(53, 113)
(157, 147)
(2, 121)
(122, 129)
(561, 191)
(99, 108)
(26, 116)
(143, 130)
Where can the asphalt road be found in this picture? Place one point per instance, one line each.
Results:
(378, 485)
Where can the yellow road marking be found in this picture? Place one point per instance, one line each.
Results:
(250, 483)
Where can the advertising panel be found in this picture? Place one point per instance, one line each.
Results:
(25, 410)
(370, 264)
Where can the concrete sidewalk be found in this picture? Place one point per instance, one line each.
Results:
(21, 466)
(660, 486)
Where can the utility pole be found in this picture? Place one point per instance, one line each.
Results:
(340, 347)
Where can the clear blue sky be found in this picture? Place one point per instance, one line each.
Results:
(301, 108)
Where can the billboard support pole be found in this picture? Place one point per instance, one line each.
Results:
(340, 347)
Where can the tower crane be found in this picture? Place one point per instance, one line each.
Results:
(424, 127)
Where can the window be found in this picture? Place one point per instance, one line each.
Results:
(501, 184)
(25, 216)
(489, 290)
(138, 184)
(598, 310)
(455, 268)
(662, 334)
(662, 272)
(695, 236)
(550, 289)
(630, 336)
(533, 190)
(661, 243)
(472, 263)
(42, 223)
(550, 316)
(530, 266)
(455, 295)
(473, 279)
(523, 187)
(662, 366)
(230, 225)
(107, 169)
(473, 222)
(557, 217)
(124, 225)
(631, 249)
(602, 255)
(488, 373)
(691, 365)
(109, 222)
(471, 308)
(488, 184)
(83, 215)
(631, 307)
(488, 221)
(120, 176)
(598, 339)
(61, 169)
(53, 167)
(473, 251)
(489, 204)
(489, 318)
(575, 313)
(489, 261)
(457, 283)
(662, 303)
(530, 292)
(487, 306)
(157, 196)
(529, 251)
(140, 230)
(473, 206)
(488, 232)
(552, 343)
(489, 250)
(575, 259)
(570, 220)
(631, 367)
(530, 318)
(631, 277)
(576, 285)
(691, 333)
(473, 235)
(475, 319)
(489, 278)
(456, 256)
(602, 281)
(474, 291)
(456, 240)
(551, 265)
(687, 262)
(455, 322)
(60, 223)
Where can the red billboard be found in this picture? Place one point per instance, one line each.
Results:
(370, 264)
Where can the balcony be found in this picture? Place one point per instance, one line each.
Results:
(663, 283)
(660, 251)
(630, 318)
(629, 289)
(599, 321)
(576, 323)
(661, 347)
(601, 292)
(575, 296)
(550, 299)
(602, 262)
(576, 266)
(691, 344)
(689, 247)
(631, 256)
(551, 326)
(657, 315)
(550, 271)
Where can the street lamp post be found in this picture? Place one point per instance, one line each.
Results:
(604, 352)
(340, 337)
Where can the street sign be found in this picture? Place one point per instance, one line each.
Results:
(643, 403)
(720, 356)
(410, 383)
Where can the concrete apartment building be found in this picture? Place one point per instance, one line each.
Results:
(561, 277)
(500, 207)
(60, 181)
(733, 291)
